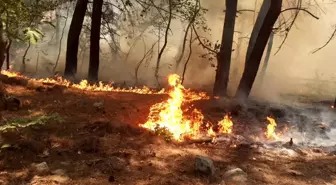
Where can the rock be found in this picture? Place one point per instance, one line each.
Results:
(332, 153)
(45, 153)
(204, 165)
(317, 150)
(64, 163)
(13, 104)
(41, 167)
(288, 152)
(50, 179)
(111, 178)
(302, 152)
(235, 176)
(99, 104)
(294, 172)
(60, 172)
(117, 163)
(89, 145)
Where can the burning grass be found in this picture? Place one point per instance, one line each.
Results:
(170, 118)
(175, 118)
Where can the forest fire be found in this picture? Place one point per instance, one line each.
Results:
(270, 133)
(85, 85)
(225, 126)
(170, 116)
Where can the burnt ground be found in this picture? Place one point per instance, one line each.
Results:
(105, 146)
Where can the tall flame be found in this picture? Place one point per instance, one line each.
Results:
(169, 114)
(225, 126)
(270, 133)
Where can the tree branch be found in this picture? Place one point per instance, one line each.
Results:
(328, 41)
(300, 9)
(201, 43)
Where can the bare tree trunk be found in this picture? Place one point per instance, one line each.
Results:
(58, 25)
(73, 38)
(165, 43)
(224, 56)
(60, 39)
(7, 53)
(94, 40)
(2, 45)
(23, 67)
(269, 13)
(267, 57)
(188, 59)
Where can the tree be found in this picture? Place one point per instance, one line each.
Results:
(269, 13)
(95, 39)
(267, 57)
(73, 38)
(2, 45)
(224, 55)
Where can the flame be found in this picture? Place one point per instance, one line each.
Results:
(84, 84)
(225, 126)
(181, 123)
(270, 133)
(10, 73)
(170, 115)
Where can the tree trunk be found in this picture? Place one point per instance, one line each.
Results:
(269, 13)
(94, 40)
(224, 56)
(2, 45)
(58, 26)
(7, 53)
(23, 67)
(267, 57)
(73, 38)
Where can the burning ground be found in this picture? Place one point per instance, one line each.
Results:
(68, 133)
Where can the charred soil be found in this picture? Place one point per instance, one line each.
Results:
(104, 145)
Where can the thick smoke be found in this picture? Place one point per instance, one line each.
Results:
(293, 70)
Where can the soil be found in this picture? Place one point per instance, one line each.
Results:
(104, 145)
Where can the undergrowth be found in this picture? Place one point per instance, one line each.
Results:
(21, 122)
(163, 131)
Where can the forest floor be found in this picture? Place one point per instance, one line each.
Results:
(105, 145)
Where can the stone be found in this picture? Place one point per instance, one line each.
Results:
(41, 167)
(294, 172)
(60, 172)
(50, 179)
(99, 104)
(117, 163)
(235, 176)
(204, 165)
(288, 152)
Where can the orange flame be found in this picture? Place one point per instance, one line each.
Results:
(169, 114)
(270, 133)
(225, 126)
(84, 84)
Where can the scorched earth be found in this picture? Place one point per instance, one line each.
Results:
(79, 134)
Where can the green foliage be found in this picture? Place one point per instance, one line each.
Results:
(32, 35)
(20, 16)
(20, 122)
(163, 131)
